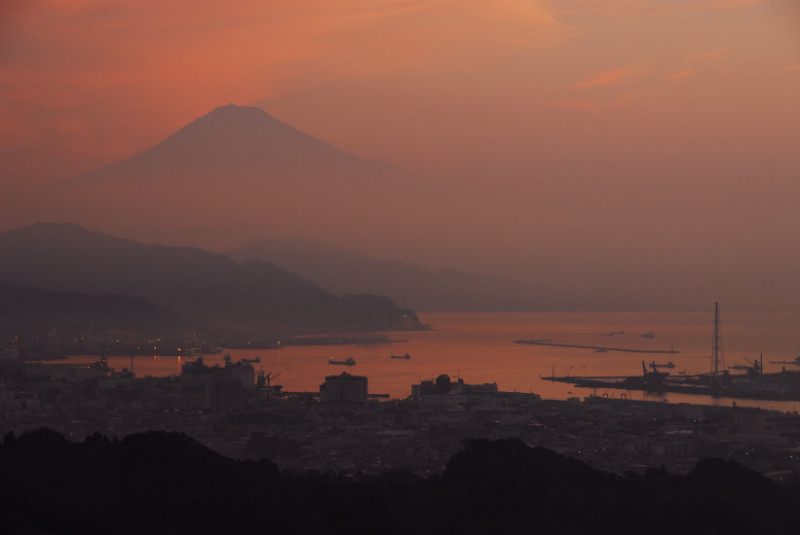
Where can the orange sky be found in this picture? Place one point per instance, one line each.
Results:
(88, 82)
(680, 115)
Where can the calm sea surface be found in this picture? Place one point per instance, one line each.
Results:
(479, 348)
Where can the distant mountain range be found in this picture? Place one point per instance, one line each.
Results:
(203, 287)
(343, 271)
(237, 175)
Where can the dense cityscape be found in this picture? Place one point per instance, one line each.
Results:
(343, 428)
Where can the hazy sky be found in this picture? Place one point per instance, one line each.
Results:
(666, 131)
(418, 83)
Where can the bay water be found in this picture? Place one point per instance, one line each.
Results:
(480, 348)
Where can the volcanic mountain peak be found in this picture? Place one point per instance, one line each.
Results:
(223, 177)
(237, 141)
(241, 122)
(240, 137)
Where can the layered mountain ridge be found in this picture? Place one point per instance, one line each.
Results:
(27, 312)
(343, 271)
(203, 287)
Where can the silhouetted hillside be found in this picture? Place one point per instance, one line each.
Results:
(201, 286)
(25, 311)
(344, 271)
(168, 483)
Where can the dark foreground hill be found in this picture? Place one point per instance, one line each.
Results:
(168, 483)
(204, 288)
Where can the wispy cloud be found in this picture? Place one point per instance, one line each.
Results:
(609, 77)
(791, 68)
(680, 75)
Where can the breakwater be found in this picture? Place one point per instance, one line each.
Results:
(599, 349)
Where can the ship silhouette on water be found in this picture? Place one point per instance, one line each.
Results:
(349, 361)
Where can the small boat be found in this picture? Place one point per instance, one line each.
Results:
(349, 361)
(613, 333)
(406, 356)
(648, 334)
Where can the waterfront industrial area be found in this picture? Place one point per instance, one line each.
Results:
(342, 428)
(753, 384)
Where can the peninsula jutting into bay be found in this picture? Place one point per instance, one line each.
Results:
(191, 289)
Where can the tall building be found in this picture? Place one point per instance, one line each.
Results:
(217, 388)
(444, 386)
(237, 378)
(343, 388)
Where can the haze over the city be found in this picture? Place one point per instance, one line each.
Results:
(637, 150)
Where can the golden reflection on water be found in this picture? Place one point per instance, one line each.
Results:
(479, 348)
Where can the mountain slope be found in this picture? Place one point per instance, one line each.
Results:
(241, 142)
(200, 285)
(28, 311)
(233, 174)
(345, 271)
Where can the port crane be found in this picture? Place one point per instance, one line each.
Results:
(753, 367)
(266, 379)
